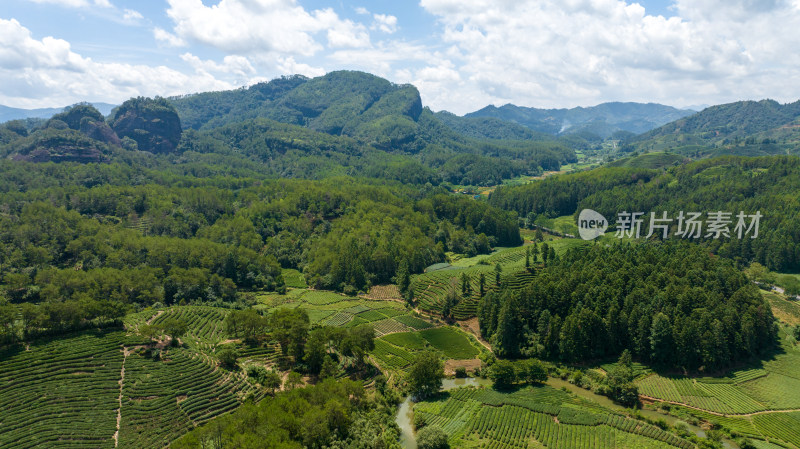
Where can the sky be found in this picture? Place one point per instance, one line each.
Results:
(461, 54)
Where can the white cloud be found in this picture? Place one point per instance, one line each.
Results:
(362, 10)
(167, 38)
(288, 66)
(76, 3)
(46, 72)
(237, 66)
(131, 15)
(578, 52)
(385, 23)
(262, 26)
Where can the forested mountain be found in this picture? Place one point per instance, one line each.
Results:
(603, 120)
(343, 123)
(749, 128)
(731, 184)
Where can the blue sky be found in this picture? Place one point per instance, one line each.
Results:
(461, 54)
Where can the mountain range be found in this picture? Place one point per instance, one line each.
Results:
(8, 113)
(355, 123)
(604, 119)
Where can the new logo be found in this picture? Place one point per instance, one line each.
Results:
(591, 224)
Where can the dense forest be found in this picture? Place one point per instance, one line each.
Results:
(331, 414)
(731, 184)
(90, 242)
(670, 304)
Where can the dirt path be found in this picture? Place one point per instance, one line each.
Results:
(125, 352)
(724, 415)
(152, 318)
(471, 325)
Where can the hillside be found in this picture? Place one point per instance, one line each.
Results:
(604, 119)
(746, 128)
(732, 184)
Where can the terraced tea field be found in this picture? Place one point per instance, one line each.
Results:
(334, 309)
(537, 417)
(61, 393)
(761, 402)
(396, 351)
(430, 288)
(101, 390)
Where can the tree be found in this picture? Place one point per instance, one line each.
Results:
(535, 252)
(532, 371)
(797, 333)
(507, 337)
(527, 258)
(539, 236)
(451, 300)
(482, 284)
(425, 375)
(620, 381)
(503, 374)
(432, 437)
(272, 381)
(175, 328)
(661, 339)
(329, 368)
(227, 357)
(8, 316)
(293, 380)
(466, 286)
(316, 349)
(358, 342)
(498, 270)
(403, 276)
(290, 328)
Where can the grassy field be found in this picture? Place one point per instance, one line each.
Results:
(536, 417)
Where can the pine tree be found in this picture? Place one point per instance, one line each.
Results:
(403, 276)
(466, 287)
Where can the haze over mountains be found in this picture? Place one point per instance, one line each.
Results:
(8, 113)
(603, 119)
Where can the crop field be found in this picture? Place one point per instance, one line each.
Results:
(396, 351)
(77, 386)
(785, 310)
(453, 343)
(785, 426)
(761, 402)
(293, 278)
(61, 393)
(431, 288)
(163, 399)
(537, 417)
(334, 309)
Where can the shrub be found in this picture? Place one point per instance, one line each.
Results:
(432, 437)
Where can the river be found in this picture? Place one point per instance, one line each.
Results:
(405, 413)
